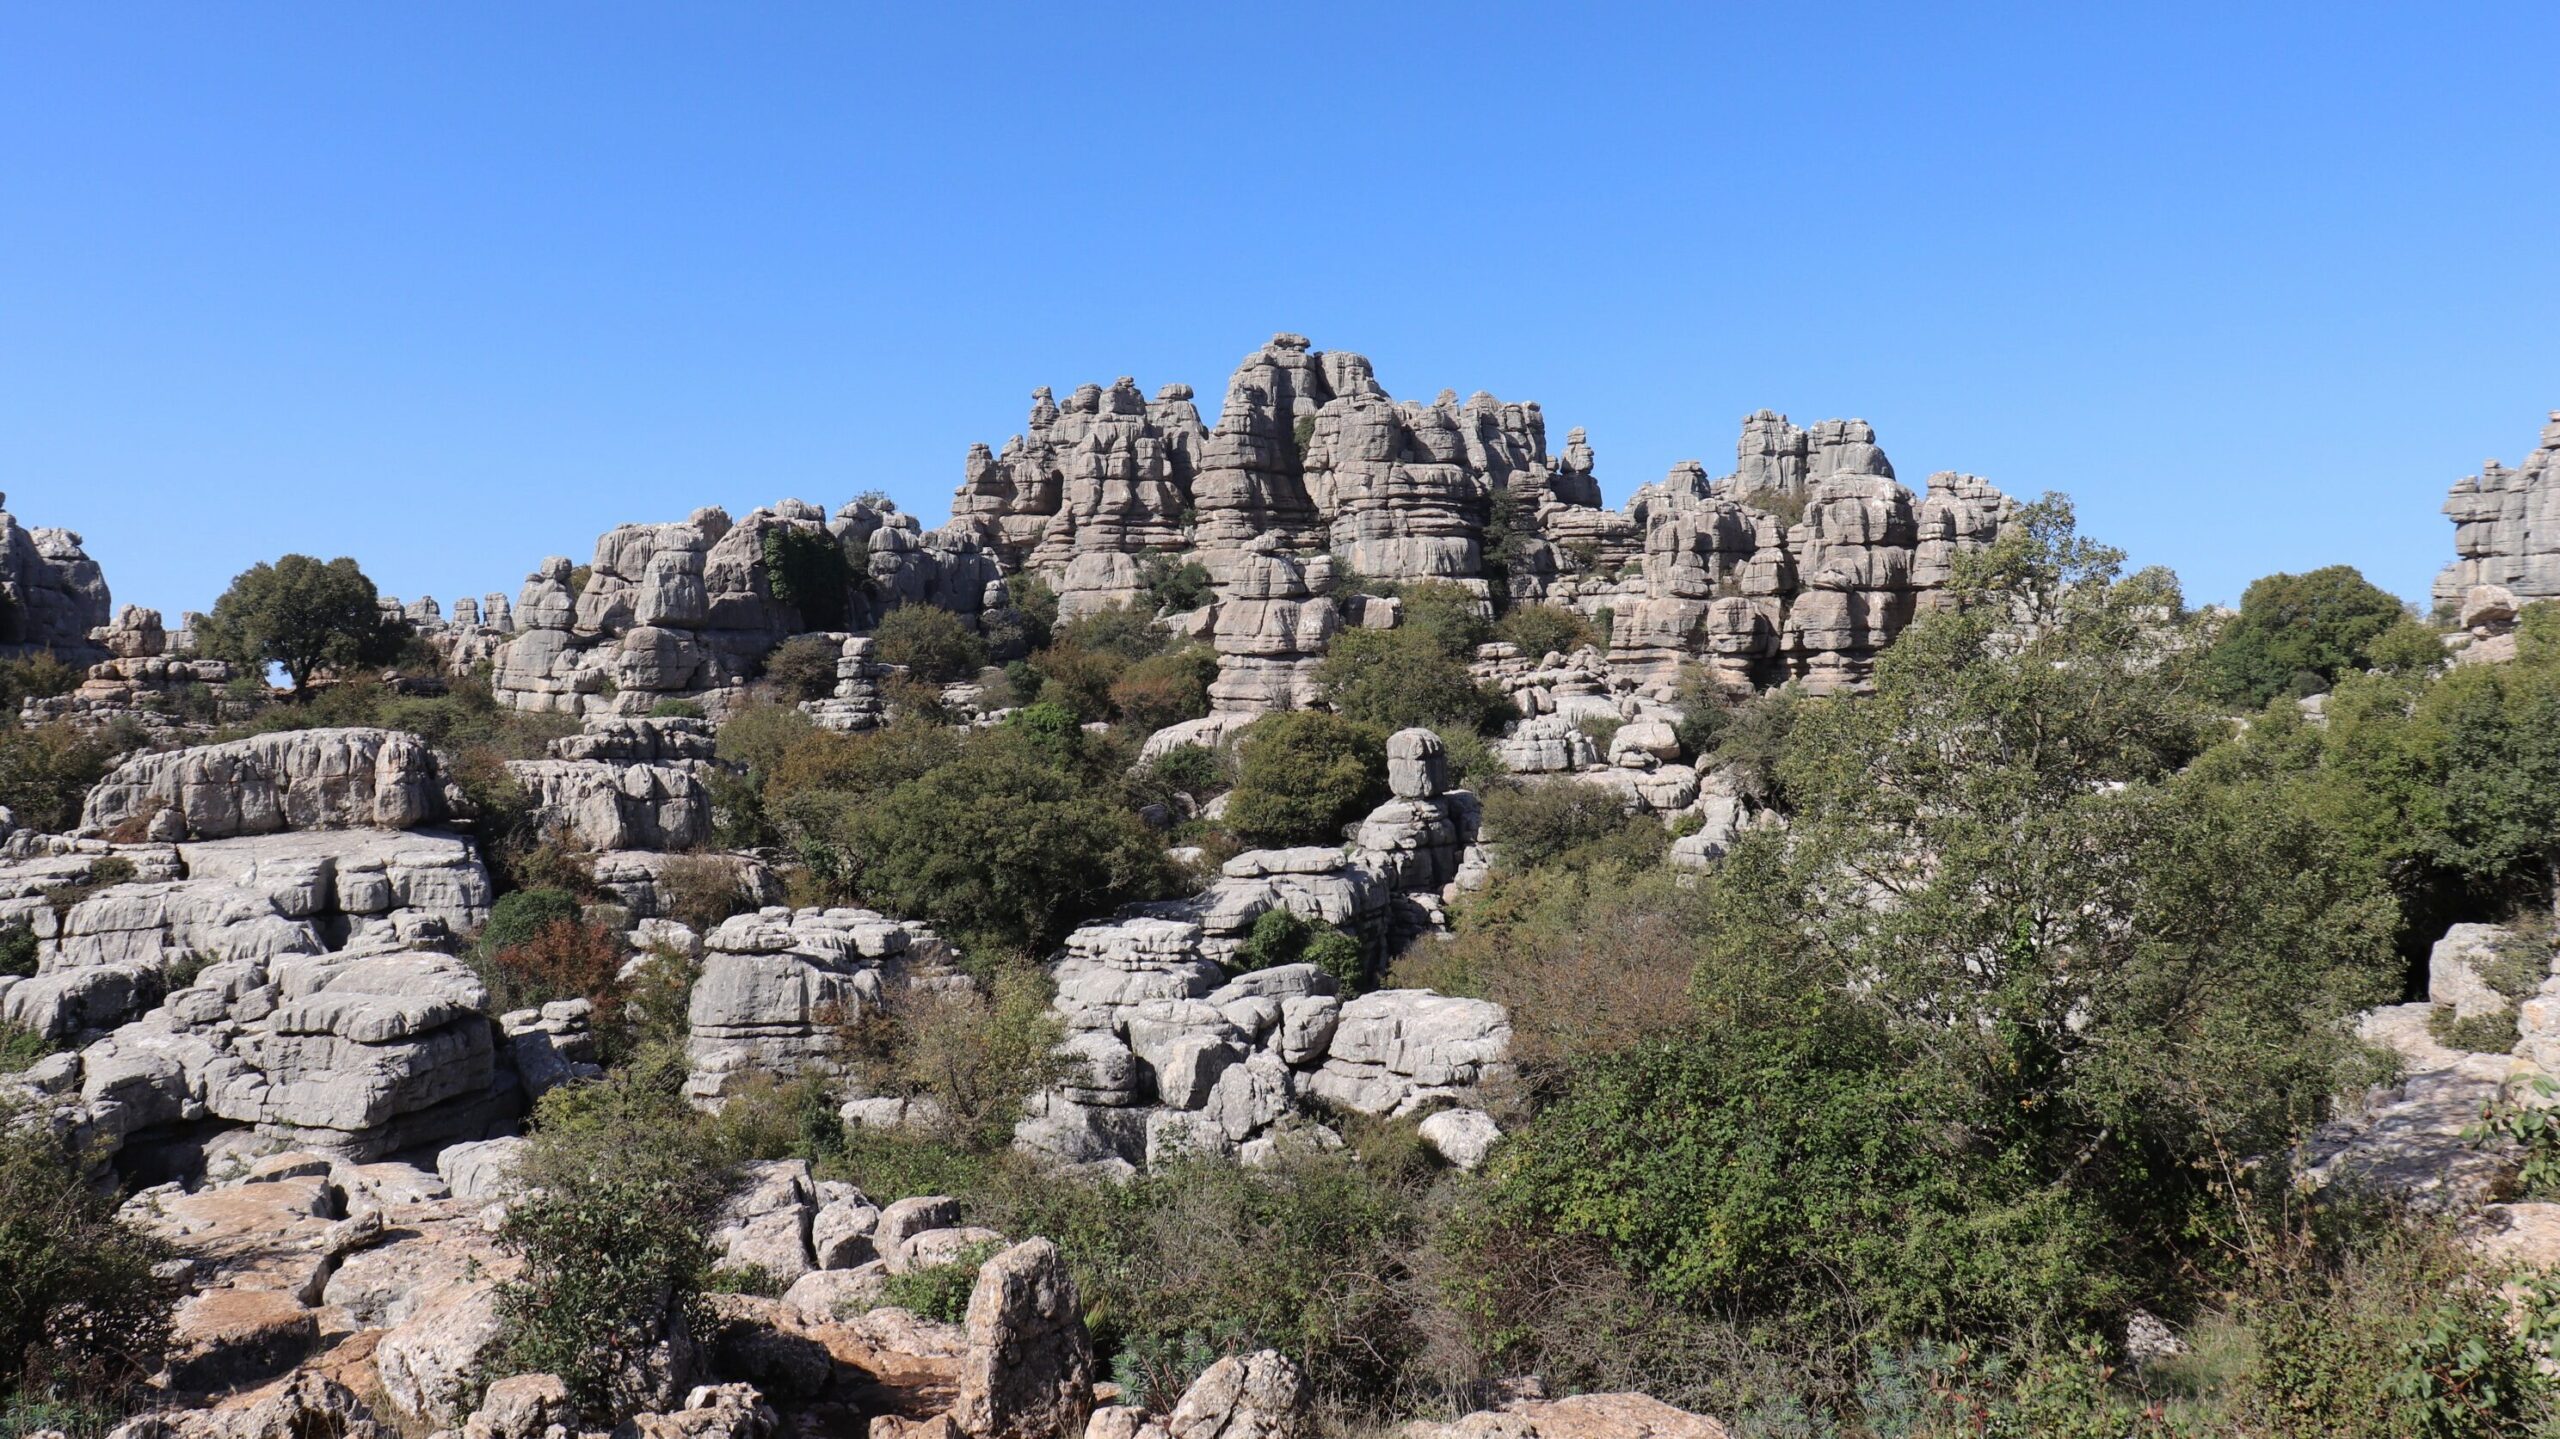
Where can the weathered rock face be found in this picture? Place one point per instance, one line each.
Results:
(51, 594)
(1313, 470)
(139, 679)
(299, 780)
(2506, 526)
(777, 985)
(1029, 1369)
(690, 610)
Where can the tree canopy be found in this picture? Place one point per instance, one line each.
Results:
(301, 614)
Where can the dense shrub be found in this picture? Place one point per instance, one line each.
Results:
(939, 1292)
(46, 770)
(1125, 631)
(701, 890)
(1174, 586)
(1399, 678)
(1002, 842)
(1540, 630)
(1079, 680)
(1190, 769)
(675, 709)
(804, 667)
(1535, 823)
(83, 1318)
(1283, 936)
(518, 917)
(610, 1231)
(1165, 689)
(1302, 775)
(563, 959)
(974, 1053)
(932, 642)
(2296, 633)
(806, 569)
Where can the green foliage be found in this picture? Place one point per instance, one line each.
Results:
(804, 667)
(938, 1292)
(83, 1319)
(2478, 1033)
(1536, 823)
(36, 676)
(2532, 1125)
(20, 1047)
(301, 614)
(519, 916)
(2296, 633)
(1165, 689)
(610, 1231)
(1540, 630)
(1174, 586)
(1283, 936)
(1015, 838)
(675, 709)
(1191, 769)
(1037, 604)
(1124, 631)
(1509, 546)
(806, 569)
(17, 949)
(1400, 678)
(1445, 613)
(1302, 775)
(46, 770)
(931, 642)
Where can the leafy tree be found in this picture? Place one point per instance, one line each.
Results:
(1302, 775)
(1399, 678)
(1126, 632)
(932, 642)
(2295, 633)
(807, 569)
(46, 770)
(804, 667)
(301, 614)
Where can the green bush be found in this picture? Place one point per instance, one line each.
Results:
(1165, 689)
(806, 569)
(1191, 769)
(1541, 630)
(938, 1292)
(675, 709)
(20, 1047)
(47, 770)
(1174, 586)
(932, 642)
(84, 1320)
(17, 949)
(1124, 631)
(2296, 633)
(976, 1054)
(1531, 824)
(1079, 680)
(519, 916)
(1401, 678)
(1301, 776)
(611, 1234)
(804, 667)
(1283, 936)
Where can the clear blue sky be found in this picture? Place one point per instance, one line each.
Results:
(452, 287)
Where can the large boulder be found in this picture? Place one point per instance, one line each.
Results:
(1247, 1396)
(298, 780)
(1028, 1372)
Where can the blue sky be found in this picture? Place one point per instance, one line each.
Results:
(453, 287)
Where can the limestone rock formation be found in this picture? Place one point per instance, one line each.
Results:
(2506, 526)
(52, 595)
(777, 985)
(296, 780)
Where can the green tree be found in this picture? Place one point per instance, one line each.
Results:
(301, 614)
(1302, 775)
(1400, 678)
(83, 1318)
(932, 642)
(2296, 633)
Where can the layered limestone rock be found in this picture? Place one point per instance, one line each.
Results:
(690, 610)
(52, 595)
(778, 987)
(298, 780)
(2506, 526)
(1314, 471)
(139, 679)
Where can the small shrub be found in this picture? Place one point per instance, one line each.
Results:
(1191, 769)
(564, 959)
(1540, 630)
(83, 1317)
(1166, 689)
(1301, 776)
(2533, 1128)
(46, 770)
(20, 1047)
(1536, 824)
(1602, 729)
(2478, 1034)
(700, 890)
(932, 642)
(975, 1054)
(675, 709)
(804, 667)
(1786, 508)
(1079, 680)
(939, 1292)
(1283, 936)
(517, 917)
(18, 949)
(1400, 678)
(743, 1279)
(1174, 586)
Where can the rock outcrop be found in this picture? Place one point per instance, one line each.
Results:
(52, 595)
(2506, 527)
(295, 780)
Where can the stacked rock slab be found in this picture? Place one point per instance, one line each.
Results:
(689, 610)
(2506, 527)
(139, 679)
(1313, 471)
(51, 594)
(778, 987)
